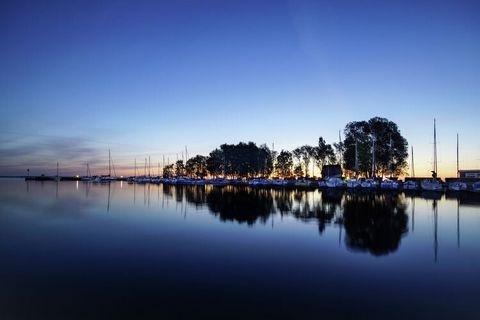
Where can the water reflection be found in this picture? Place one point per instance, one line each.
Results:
(108, 239)
(374, 222)
(243, 205)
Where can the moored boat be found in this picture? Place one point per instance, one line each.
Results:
(354, 183)
(410, 185)
(369, 184)
(389, 184)
(431, 185)
(457, 186)
(335, 183)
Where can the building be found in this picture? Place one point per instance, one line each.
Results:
(475, 174)
(332, 171)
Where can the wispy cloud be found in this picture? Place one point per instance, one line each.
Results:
(41, 154)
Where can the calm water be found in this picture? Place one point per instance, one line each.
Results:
(77, 250)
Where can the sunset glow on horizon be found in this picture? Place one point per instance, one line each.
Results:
(147, 79)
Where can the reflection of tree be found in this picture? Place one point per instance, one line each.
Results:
(374, 222)
(167, 190)
(323, 210)
(283, 200)
(196, 195)
(244, 205)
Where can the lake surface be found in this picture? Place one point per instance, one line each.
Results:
(79, 250)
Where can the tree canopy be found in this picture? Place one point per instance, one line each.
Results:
(376, 137)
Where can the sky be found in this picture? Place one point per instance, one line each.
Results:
(147, 78)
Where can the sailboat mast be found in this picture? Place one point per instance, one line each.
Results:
(340, 149)
(135, 172)
(435, 146)
(356, 157)
(413, 165)
(109, 164)
(373, 156)
(458, 166)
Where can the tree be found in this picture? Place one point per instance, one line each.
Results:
(196, 166)
(382, 135)
(304, 154)
(298, 171)
(215, 162)
(284, 164)
(179, 168)
(323, 153)
(168, 171)
(297, 154)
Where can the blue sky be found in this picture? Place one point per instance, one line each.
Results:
(149, 77)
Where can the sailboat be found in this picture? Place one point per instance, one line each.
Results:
(457, 185)
(88, 177)
(433, 184)
(57, 177)
(390, 183)
(411, 184)
(109, 178)
(355, 183)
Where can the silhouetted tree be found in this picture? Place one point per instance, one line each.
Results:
(284, 164)
(179, 168)
(215, 163)
(391, 148)
(168, 171)
(305, 154)
(323, 153)
(196, 166)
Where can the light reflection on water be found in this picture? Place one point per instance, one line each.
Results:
(205, 251)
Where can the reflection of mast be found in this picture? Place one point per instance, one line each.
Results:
(108, 201)
(435, 226)
(458, 223)
(134, 193)
(413, 214)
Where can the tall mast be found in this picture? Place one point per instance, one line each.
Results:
(356, 158)
(135, 173)
(109, 164)
(57, 170)
(373, 155)
(340, 149)
(145, 168)
(458, 167)
(391, 157)
(435, 147)
(149, 166)
(413, 165)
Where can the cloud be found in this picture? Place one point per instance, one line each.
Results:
(40, 153)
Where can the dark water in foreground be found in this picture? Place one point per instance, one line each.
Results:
(74, 250)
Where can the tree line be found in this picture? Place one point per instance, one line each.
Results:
(370, 148)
